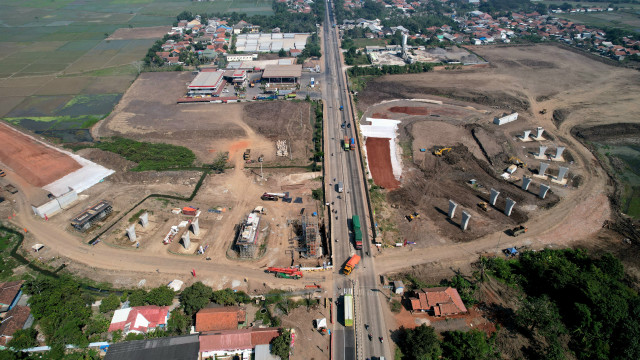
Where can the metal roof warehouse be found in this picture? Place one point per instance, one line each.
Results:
(282, 73)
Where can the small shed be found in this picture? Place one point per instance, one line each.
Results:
(398, 287)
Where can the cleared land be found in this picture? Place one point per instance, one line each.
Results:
(208, 129)
(578, 90)
(379, 158)
(34, 162)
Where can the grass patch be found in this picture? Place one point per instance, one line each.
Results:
(135, 216)
(362, 42)
(149, 156)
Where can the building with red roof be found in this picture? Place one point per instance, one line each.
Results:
(10, 293)
(19, 317)
(440, 301)
(140, 319)
(220, 318)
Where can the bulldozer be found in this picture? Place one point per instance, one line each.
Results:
(412, 217)
(440, 152)
(514, 160)
(484, 206)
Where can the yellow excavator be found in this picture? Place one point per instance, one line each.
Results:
(484, 206)
(440, 152)
(514, 160)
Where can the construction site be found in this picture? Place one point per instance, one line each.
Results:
(478, 164)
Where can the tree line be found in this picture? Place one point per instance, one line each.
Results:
(417, 67)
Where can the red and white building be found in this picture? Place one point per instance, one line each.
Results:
(207, 83)
(140, 319)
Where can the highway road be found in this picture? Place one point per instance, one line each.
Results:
(344, 166)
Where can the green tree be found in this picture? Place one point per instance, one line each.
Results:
(23, 339)
(421, 343)
(470, 345)
(110, 303)
(540, 314)
(195, 297)
(229, 297)
(137, 297)
(161, 296)
(282, 53)
(179, 323)
(280, 346)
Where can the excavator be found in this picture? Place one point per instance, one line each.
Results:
(484, 206)
(514, 160)
(440, 152)
(412, 217)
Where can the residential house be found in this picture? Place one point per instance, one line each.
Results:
(168, 348)
(439, 301)
(140, 319)
(240, 343)
(220, 318)
(10, 293)
(19, 317)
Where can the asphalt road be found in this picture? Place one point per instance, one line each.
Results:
(344, 166)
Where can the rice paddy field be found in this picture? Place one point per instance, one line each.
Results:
(60, 72)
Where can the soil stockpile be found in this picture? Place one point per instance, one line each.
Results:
(36, 163)
(379, 156)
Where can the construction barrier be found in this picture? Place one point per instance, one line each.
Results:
(320, 268)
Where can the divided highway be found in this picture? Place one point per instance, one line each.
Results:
(344, 166)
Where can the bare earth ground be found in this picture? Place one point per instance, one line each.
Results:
(589, 92)
(379, 158)
(36, 163)
(207, 129)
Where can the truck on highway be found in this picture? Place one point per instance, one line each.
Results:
(345, 143)
(348, 310)
(357, 232)
(352, 143)
(351, 264)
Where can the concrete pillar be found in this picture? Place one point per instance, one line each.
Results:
(559, 151)
(195, 227)
(494, 196)
(526, 134)
(543, 168)
(144, 219)
(542, 150)
(452, 209)
(131, 232)
(562, 171)
(509, 207)
(526, 181)
(543, 190)
(539, 132)
(465, 220)
(186, 241)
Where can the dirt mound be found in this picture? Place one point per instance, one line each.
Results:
(410, 110)
(36, 163)
(379, 157)
(607, 132)
(559, 116)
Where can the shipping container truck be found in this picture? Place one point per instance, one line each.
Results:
(357, 231)
(351, 264)
(352, 141)
(346, 143)
(348, 310)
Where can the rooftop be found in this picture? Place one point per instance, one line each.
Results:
(279, 71)
(237, 339)
(14, 320)
(9, 291)
(171, 348)
(207, 79)
(220, 318)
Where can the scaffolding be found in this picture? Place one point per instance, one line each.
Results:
(247, 238)
(311, 237)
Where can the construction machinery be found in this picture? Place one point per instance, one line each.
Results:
(269, 197)
(285, 273)
(351, 264)
(2, 173)
(440, 152)
(519, 163)
(543, 111)
(247, 154)
(412, 217)
(518, 230)
(484, 205)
